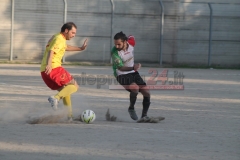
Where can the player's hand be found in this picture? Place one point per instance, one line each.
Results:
(84, 46)
(137, 66)
(48, 69)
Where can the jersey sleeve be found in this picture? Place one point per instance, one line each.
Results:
(131, 40)
(117, 61)
(56, 45)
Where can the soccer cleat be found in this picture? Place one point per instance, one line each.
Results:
(147, 119)
(133, 114)
(54, 102)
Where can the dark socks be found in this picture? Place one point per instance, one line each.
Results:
(133, 98)
(146, 99)
(146, 103)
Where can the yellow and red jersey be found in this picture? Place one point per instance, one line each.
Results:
(58, 45)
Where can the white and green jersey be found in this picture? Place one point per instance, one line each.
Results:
(123, 58)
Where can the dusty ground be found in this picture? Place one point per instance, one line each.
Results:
(202, 121)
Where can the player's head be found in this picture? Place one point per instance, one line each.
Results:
(69, 30)
(120, 41)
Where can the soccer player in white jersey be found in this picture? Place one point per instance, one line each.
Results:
(126, 73)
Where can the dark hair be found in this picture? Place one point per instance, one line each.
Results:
(121, 36)
(68, 26)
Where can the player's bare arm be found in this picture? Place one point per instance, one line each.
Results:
(49, 62)
(75, 48)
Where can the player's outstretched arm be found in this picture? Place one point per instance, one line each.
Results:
(75, 48)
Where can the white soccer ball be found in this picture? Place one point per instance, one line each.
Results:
(88, 116)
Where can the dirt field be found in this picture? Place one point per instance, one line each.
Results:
(202, 121)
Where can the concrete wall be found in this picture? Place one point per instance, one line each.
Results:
(194, 22)
(5, 29)
(185, 38)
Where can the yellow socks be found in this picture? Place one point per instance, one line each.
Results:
(67, 102)
(65, 94)
(68, 90)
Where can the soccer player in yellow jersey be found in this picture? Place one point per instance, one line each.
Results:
(52, 72)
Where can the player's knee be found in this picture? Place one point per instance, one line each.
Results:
(77, 86)
(74, 82)
(145, 92)
(133, 94)
(134, 88)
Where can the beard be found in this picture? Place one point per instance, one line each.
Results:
(119, 49)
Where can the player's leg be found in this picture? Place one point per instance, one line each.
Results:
(146, 100)
(67, 102)
(67, 90)
(64, 83)
(145, 92)
(133, 97)
(63, 92)
(127, 81)
(52, 85)
(146, 104)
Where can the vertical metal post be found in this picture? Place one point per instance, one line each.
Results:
(65, 11)
(12, 32)
(65, 19)
(103, 53)
(161, 32)
(210, 36)
(111, 40)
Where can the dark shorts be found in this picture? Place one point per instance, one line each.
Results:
(127, 79)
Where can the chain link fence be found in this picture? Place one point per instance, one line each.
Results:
(203, 32)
